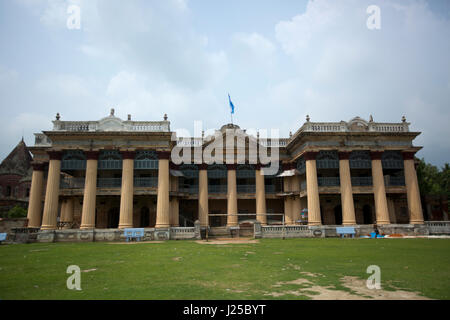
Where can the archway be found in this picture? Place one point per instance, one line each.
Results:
(113, 217)
(367, 214)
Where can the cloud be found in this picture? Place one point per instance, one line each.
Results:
(342, 69)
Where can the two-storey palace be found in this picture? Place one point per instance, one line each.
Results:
(115, 173)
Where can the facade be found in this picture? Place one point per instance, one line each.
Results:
(113, 173)
(15, 178)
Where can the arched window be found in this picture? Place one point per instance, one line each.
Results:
(110, 160)
(245, 171)
(327, 160)
(73, 160)
(360, 160)
(392, 160)
(146, 159)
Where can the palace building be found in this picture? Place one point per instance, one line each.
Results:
(115, 174)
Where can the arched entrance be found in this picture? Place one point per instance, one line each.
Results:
(338, 215)
(367, 214)
(145, 217)
(113, 217)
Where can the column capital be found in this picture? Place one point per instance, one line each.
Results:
(92, 155)
(310, 155)
(128, 154)
(55, 155)
(344, 155)
(38, 166)
(202, 166)
(163, 155)
(232, 166)
(376, 155)
(408, 155)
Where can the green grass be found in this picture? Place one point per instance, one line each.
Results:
(188, 270)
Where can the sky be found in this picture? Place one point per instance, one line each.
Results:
(278, 60)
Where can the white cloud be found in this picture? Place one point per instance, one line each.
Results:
(342, 69)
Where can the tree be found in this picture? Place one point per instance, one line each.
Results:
(433, 181)
(17, 212)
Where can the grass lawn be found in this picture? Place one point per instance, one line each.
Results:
(189, 270)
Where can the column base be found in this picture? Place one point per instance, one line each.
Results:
(87, 227)
(383, 222)
(349, 223)
(416, 222)
(162, 226)
(125, 226)
(43, 227)
(313, 223)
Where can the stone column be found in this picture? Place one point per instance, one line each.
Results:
(35, 202)
(162, 205)
(348, 207)
(67, 210)
(312, 190)
(381, 208)
(232, 209)
(203, 209)
(412, 189)
(90, 191)
(261, 211)
(52, 191)
(126, 195)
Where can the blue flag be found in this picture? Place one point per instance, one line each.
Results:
(231, 104)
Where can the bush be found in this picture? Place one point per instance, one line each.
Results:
(17, 212)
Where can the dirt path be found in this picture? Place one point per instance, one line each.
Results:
(228, 241)
(359, 291)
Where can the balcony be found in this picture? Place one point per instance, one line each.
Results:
(327, 164)
(188, 189)
(72, 183)
(250, 188)
(110, 164)
(328, 181)
(245, 173)
(392, 164)
(360, 164)
(219, 188)
(146, 164)
(361, 181)
(109, 182)
(394, 181)
(217, 174)
(73, 165)
(146, 182)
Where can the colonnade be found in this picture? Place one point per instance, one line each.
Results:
(167, 207)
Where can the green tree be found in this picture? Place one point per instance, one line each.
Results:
(433, 181)
(17, 212)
